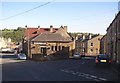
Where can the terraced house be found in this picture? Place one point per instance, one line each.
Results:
(42, 42)
(103, 44)
(113, 39)
(89, 45)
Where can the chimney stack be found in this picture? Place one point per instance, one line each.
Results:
(83, 36)
(90, 36)
(51, 28)
(65, 28)
(38, 31)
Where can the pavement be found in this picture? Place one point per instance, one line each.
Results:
(116, 68)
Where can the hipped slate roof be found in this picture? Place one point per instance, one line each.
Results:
(46, 37)
(32, 32)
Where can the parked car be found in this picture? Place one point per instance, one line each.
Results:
(77, 55)
(102, 59)
(7, 50)
(22, 56)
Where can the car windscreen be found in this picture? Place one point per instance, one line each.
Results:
(22, 55)
(76, 53)
(103, 56)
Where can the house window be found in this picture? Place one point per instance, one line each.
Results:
(98, 39)
(32, 42)
(43, 50)
(96, 50)
(82, 50)
(52, 48)
(91, 50)
(62, 47)
(55, 48)
(91, 44)
(59, 48)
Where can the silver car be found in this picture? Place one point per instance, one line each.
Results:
(77, 55)
(21, 56)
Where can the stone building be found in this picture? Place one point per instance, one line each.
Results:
(40, 42)
(113, 39)
(103, 44)
(89, 45)
(93, 46)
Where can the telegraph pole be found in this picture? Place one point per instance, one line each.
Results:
(28, 42)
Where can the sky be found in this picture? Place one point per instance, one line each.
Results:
(91, 17)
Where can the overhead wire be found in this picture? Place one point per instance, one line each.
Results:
(27, 11)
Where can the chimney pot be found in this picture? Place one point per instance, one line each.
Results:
(38, 26)
(90, 35)
(51, 26)
(25, 25)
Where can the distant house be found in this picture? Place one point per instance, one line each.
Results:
(93, 46)
(39, 42)
(103, 44)
(89, 45)
(5, 42)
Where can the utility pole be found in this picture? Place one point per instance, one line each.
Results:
(28, 39)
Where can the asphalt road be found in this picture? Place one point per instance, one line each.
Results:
(59, 70)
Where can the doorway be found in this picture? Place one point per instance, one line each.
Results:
(44, 51)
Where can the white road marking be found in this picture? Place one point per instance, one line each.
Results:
(88, 76)
(66, 71)
(74, 73)
(102, 79)
(93, 76)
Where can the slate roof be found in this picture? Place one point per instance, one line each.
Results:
(32, 32)
(46, 37)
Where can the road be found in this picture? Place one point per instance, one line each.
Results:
(59, 70)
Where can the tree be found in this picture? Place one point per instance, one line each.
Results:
(16, 34)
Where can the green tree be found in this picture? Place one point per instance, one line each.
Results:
(15, 34)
